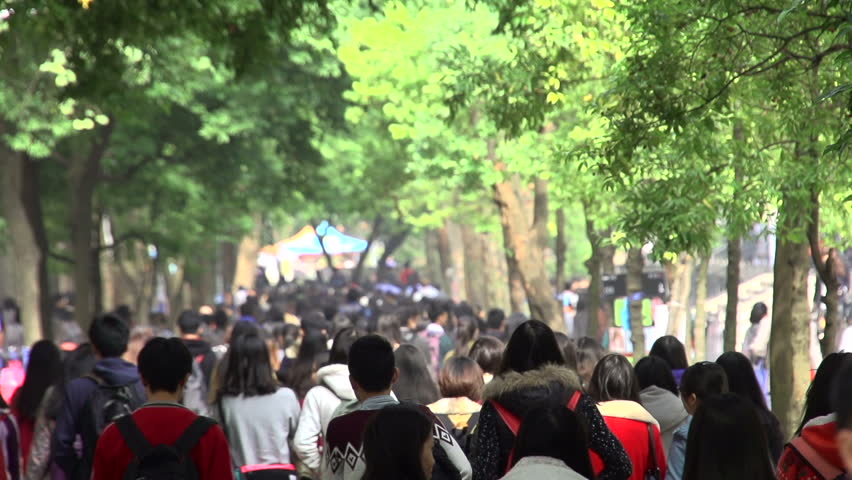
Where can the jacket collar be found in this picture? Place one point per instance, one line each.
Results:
(545, 376)
(627, 409)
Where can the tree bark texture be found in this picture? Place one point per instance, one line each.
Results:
(82, 175)
(560, 249)
(458, 284)
(524, 239)
(700, 328)
(594, 267)
(789, 359)
(443, 242)
(826, 269)
(732, 286)
(24, 223)
(374, 233)
(681, 292)
(475, 276)
(635, 267)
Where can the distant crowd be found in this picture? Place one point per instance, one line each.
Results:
(310, 384)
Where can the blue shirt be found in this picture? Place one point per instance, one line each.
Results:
(677, 452)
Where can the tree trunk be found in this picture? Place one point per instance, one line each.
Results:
(560, 249)
(321, 237)
(446, 263)
(607, 252)
(789, 358)
(246, 268)
(517, 295)
(594, 267)
(391, 245)
(27, 239)
(732, 285)
(827, 273)
(635, 266)
(474, 266)
(700, 331)
(374, 232)
(524, 239)
(458, 285)
(679, 313)
(82, 174)
(497, 276)
(229, 266)
(97, 277)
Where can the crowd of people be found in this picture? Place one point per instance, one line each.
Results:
(376, 388)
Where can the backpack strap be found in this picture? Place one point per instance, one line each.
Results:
(575, 400)
(825, 469)
(135, 439)
(653, 467)
(193, 434)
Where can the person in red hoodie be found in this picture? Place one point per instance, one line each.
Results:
(164, 366)
(615, 387)
(813, 453)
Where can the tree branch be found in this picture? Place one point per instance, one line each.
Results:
(60, 257)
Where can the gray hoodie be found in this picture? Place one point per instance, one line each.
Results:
(667, 408)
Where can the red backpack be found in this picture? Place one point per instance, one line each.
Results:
(514, 423)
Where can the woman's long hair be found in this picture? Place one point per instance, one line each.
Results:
(43, 370)
(655, 371)
(818, 398)
(532, 346)
(313, 352)
(465, 334)
(415, 384)
(248, 370)
(741, 378)
(726, 441)
(393, 443)
(555, 432)
(672, 351)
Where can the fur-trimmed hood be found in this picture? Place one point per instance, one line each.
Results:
(545, 386)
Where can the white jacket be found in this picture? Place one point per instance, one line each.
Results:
(542, 468)
(317, 411)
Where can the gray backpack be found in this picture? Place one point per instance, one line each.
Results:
(195, 393)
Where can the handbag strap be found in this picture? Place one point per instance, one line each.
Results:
(653, 466)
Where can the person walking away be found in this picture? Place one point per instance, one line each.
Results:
(461, 386)
(552, 445)
(533, 376)
(163, 435)
(843, 408)
(756, 345)
(43, 370)
(258, 415)
(373, 372)
(10, 441)
(92, 402)
(40, 464)
(495, 322)
(726, 441)
(416, 383)
(616, 389)
(320, 403)
(672, 351)
(699, 382)
(813, 452)
(660, 396)
(743, 382)
(191, 329)
(398, 443)
(487, 352)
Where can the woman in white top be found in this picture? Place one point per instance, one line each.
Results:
(551, 445)
(321, 401)
(258, 415)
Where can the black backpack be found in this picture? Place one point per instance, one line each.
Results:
(162, 462)
(106, 404)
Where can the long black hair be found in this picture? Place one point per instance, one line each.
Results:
(655, 371)
(569, 349)
(465, 333)
(818, 398)
(726, 440)
(415, 384)
(672, 351)
(555, 432)
(741, 378)
(532, 346)
(248, 370)
(313, 352)
(704, 379)
(43, 370)
(393, 442)
(614, 379)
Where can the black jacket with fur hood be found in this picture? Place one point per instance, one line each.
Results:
(550, 385)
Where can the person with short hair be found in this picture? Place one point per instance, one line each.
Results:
(699, 382)
(191, 327)
(398, 444)
(109, 336)
(461, 386)
(487, 352)
(372, 370)
(495, 323)
(165, 366)
(673, 352)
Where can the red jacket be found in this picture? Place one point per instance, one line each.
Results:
(813, 455)
(163, 424)
(629, 422)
